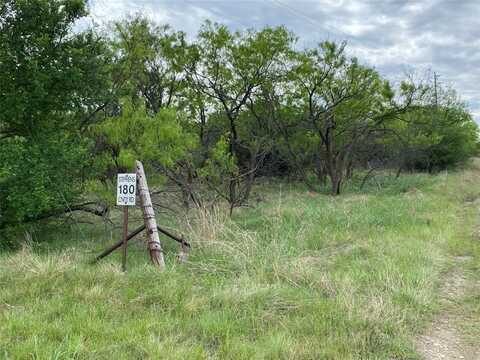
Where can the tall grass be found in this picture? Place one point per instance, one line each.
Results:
(298, 276)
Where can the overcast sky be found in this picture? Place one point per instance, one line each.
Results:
(391, 35)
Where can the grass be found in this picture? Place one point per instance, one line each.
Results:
(298, 276)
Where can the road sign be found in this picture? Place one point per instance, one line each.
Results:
(126, 189)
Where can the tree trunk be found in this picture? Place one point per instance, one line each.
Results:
(232, 194)
(369, 173)
(154, 246)
(335, 171)
(349, 172)
(336, 184)
(203, 123)
(320, 170)
(253, 165)
(400, 168)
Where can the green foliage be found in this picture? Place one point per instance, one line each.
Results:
(457, 135)
(149, 62)
(51, 81)
(220, 164)
(228, 69)
(41, 177)
(159, 140)
(50, 77)
(435, 136)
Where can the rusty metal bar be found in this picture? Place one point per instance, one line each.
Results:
(125, 235)
(118, 244)
(135, 233)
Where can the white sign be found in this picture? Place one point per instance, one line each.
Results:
(126, 189)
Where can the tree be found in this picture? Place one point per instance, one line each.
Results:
(162, 140)
(342, 103)
(52, 83)
(228, 68)
(436, 134)
(149, 63)
(150, 60)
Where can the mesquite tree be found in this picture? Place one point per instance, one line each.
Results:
(228, 69)
(437, 133)
(341, 104)
(149, 59)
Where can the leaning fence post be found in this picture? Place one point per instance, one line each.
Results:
(153, 240)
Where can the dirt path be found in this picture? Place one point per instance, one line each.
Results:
(443, 339)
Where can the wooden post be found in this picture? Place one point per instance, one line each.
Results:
(153, 240)
(125, 237)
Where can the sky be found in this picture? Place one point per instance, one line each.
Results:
(394, 36)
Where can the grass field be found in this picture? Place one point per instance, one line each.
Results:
(298, 276)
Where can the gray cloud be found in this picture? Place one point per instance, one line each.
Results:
(391, 35)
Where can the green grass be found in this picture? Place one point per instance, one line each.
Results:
(298, 276)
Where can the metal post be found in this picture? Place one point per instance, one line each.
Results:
(125, 237)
